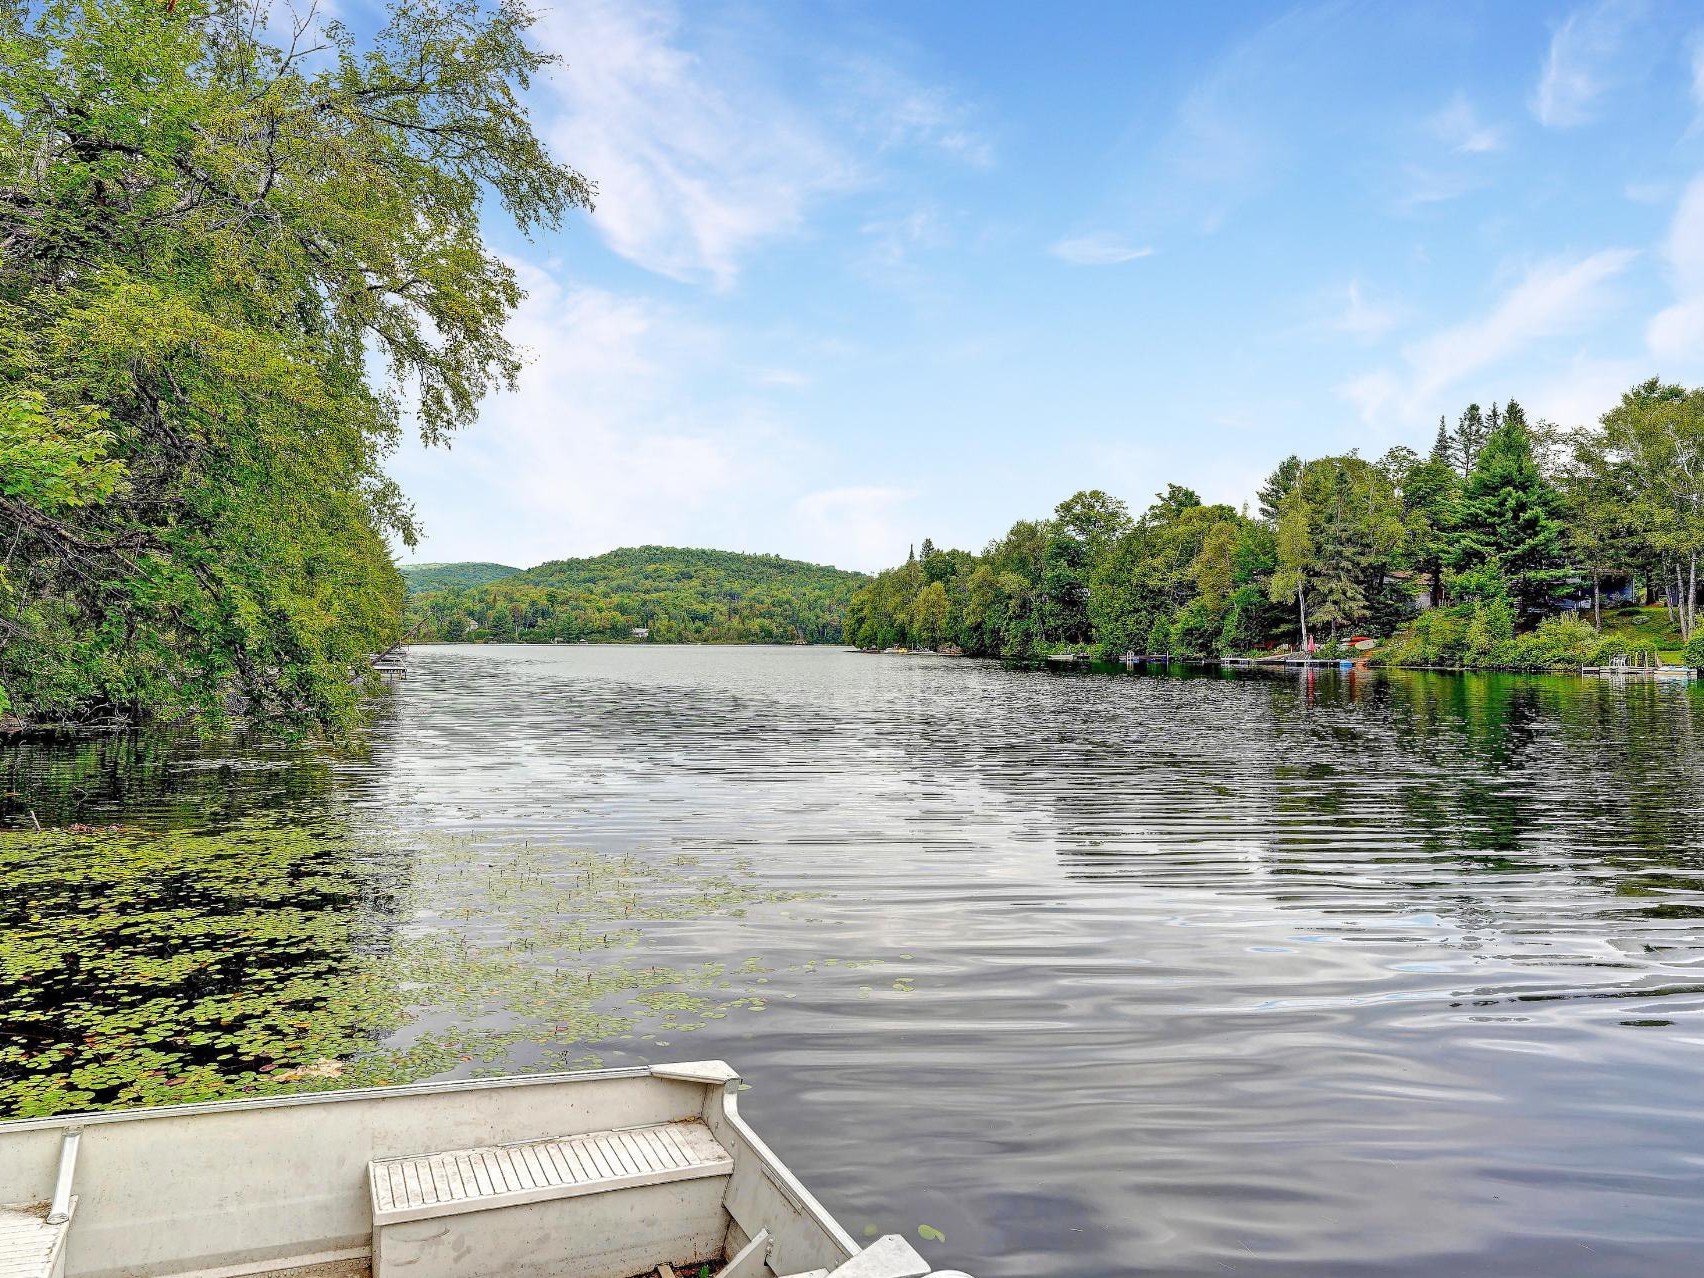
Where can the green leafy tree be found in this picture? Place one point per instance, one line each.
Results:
(1646, 459)
(1094, 519)
(231, 271)
(930, 612)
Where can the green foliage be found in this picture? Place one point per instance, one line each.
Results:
(423, 577)
(147, 968)
(1693, 656)
(210, 239)
(1480, 634)
(679, 595)
(1509, 517)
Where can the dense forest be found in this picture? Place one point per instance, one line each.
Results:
(1494, 549)
(237, 259)
(673, 595)
(423, 577)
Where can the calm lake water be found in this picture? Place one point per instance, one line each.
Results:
(1093, 974)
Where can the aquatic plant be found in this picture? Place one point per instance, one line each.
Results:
(158, 967)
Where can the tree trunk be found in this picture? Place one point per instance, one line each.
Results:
(1597, 601)
(1691, 598)
(1302, 611)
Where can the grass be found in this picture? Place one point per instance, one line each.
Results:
(1650, 627)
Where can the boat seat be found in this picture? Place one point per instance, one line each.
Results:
(30, 1247)
(428, 1186)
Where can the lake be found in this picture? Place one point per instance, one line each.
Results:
(1330, 974)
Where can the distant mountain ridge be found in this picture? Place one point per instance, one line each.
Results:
(660, 594)
(422, 577)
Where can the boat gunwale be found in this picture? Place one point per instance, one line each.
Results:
(89, 1118)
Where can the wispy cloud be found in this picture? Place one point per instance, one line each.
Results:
(1459, 128)
(1363, 318)
(696, 161)
(609, 440)
(1579, 65)
(1552, 299)
(856, 527)
(1101, 248)
(701, 155)
(892, 240)
(1677, 332)
(885, 102)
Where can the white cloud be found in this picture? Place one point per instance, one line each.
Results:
(1363, 318)
(1458, 127)
(1698, 69)
(1102, 248)
(607, 441)
(1551, 300)
(696, 163)
(1422, 185)
(1677, 332)
(787, 377)
(700, 155)
(893, 239)
(855, 527)
(885, 103)
(1579, 65)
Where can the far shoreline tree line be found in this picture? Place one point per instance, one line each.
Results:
(1501, 547)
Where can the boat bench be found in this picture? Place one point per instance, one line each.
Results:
(32, 1235)
(31, 1246)
(520, 1203)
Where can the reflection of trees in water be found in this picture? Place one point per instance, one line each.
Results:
(162, 776)
(1416, 781)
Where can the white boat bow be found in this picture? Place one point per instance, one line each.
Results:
(606, 1174)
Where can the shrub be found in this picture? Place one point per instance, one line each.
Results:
(1695, 651)
(1159, 638)
(1196, 630)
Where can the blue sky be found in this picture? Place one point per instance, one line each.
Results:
(865, 273)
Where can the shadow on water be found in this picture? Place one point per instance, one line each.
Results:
(1187, 972)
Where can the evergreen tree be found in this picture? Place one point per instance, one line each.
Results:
(1429, 494)
(1277, 487)
(1509, 518)
(1469, 439)
(1342, 557)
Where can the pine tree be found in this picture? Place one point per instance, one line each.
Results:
(1343, 559)
(1470, 438)
(1429, 494)
(1509, 517)
(1278, 486)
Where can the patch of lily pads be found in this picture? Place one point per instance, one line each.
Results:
(158, 967)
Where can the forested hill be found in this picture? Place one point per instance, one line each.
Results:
(424, 577)
(677, 595)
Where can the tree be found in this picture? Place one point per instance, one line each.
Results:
(212, 241)
(1429, 492)
(1277, 487)
(1650, 448)
(1093, 518)
(929, 614)
(1470, 437)
(1295, 547)
(1509, 518)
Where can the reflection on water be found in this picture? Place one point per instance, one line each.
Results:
(1094, 974)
